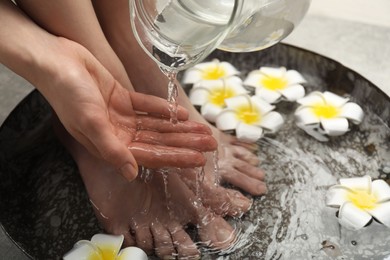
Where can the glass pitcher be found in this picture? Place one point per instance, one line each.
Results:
(180, 33)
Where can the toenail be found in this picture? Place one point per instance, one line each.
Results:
(261, 188)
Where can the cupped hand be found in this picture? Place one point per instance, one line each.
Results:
(127, 129)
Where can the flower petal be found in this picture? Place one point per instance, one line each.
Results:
(227, 120)
(334, 99)
(304, 115)
(381, 190)
(254, 79)
(192, 76)
(314, 97)
(273, 72)
(314, 130)
(272, 121)
(132, 253)
(293, 92)
(229, 68)
(248, 133)
(268, 95)
(294, 77)
(360, 183)
(83, 250)
(353, 112)
(199, 96)
(382, 213)
(196, 73)
(210, 111)
(262, 105)
(109, 244)
(208, 84)
(352, 217)
(335, 126)
(336, 196)
(237, 101)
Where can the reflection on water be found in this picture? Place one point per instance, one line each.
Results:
(294, 222)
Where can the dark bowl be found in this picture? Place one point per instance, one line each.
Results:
(44, 208)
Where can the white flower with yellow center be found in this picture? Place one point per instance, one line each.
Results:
(276, 84)
(104, 247)
(249, 117)
(326, 114)
(359, 200)
(211, 95)
(211, 70)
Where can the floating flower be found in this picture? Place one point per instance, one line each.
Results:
(359, 200)
(104, 247)
(326, 114)
(211, 95)
(276, 84)
(248, 116)
(211, 70)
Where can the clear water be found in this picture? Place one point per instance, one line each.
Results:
(185, 31)
(294, 222)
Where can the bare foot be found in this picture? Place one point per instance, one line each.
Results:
(150, 214)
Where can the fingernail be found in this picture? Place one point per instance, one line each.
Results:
(129, 171)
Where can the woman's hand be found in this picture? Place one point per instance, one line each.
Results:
(124, 128)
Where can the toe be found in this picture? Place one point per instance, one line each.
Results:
(162, 241)
(239, 203)
(128, 239)
(144, 239)
(225, 201)
(186, 248)
(249, 170)
(244, 182)
(217, 233)
(245, 155)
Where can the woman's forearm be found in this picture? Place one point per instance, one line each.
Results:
(24, 46)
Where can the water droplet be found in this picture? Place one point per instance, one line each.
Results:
(304, 237)
(353, 242)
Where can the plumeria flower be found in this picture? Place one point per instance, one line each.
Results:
(326, 114)
(211, 70)
(211, 95)
(104, 247)
(248, 116)
(359, 200)
(276, 84)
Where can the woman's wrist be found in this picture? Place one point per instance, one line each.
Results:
(25, 48)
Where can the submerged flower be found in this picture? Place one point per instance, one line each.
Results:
(211, 70)
(211, 95)
(248, 116)
(326, 114)
(104, 247)
(276, 84)
(359, 200)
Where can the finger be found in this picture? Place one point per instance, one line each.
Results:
(165, 126)
(153, 104)
(109, 147)
(199, 142)
(156, 156)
